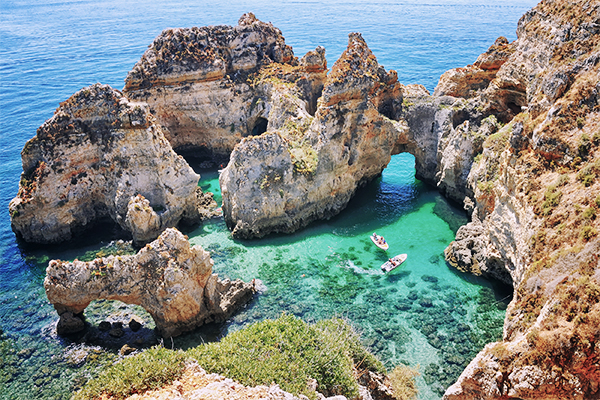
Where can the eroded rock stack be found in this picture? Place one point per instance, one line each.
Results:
(515, 137)
(170, 279)
(198, 82)
(90, 161)
(306, 168)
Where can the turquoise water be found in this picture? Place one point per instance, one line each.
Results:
(423, 313)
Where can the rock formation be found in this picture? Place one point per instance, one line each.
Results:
(306, 168)
(202, 85)
(195, 383)
(101, 156)
(168, 278)
(535, 200)
(515, 137)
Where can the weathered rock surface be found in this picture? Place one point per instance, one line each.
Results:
(197, 384)
(90, 161)
(204, 87)
(468, 81)
(535, 200)
(168, 278)
(305, 168)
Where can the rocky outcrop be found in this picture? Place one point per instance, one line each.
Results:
(468, 81)
(535, 200)
(204, 84)
(308, 168)
(168, 278)
(101, 156)
(195, 384)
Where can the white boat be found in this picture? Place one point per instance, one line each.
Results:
(393, 263)
(379, 241)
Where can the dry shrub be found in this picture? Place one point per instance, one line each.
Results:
(403, 382)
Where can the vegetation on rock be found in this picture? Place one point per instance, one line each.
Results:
(286, 351)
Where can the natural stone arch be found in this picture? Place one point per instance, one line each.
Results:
(170, 279)
(286, 178)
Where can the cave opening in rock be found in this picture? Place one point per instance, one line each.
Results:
(513, 107)
(260, 126)
(459, 117)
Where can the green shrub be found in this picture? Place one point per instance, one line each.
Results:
(584, 146)
(551, 199)
(148, 370)
(289, 352)
(588, 232)
(286, 351)
(588, 174)
(362, 358)
(589, 213)
(403, 383)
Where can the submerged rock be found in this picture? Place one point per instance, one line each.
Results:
(168, 278)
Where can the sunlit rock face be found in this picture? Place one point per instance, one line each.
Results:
(535, 197)
(202, 84)
(170, 279)
(308, 168)
(90, 160)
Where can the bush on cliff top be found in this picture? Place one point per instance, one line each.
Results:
(148, 370)
(286, 351)
(289, 352)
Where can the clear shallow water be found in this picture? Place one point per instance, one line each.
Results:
(49, 50)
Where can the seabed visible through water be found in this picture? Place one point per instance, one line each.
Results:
(423, 314)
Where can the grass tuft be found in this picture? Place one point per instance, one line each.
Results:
(289, 352)
(403, 383)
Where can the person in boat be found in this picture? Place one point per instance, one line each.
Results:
(393, 262)
(379, 239)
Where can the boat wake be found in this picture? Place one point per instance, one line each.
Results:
(350, 265)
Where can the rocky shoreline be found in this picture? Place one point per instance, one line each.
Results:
(515, 137)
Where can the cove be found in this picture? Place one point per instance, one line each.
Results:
(52, 50)
(423, 313)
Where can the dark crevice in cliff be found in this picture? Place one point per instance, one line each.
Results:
(260, 126)
(102, 230)
(202, 158)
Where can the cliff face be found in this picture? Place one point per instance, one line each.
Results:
(304, 168)
(202, 86)
(90, 160)
(515, 137)
(168, 278)
(535, 200)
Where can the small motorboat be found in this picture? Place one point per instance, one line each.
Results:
(393, 263)
(379, 241)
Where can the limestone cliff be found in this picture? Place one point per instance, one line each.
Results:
(535, 200)
(202, 84)
(308, 168)
(168, 278)
(304, 168)
(90, 161)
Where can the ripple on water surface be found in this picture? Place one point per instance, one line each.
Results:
(423, 313)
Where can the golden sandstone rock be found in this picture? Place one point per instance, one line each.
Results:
(168, 278)
(515, 137)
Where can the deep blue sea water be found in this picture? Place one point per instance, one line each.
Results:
(422, 314)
